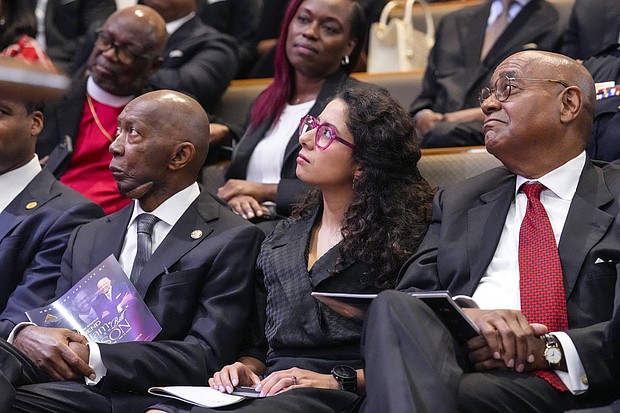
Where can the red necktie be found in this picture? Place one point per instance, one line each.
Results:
(541, 282)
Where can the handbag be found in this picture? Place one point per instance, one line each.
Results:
(397, 46)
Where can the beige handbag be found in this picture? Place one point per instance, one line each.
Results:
(397, 46)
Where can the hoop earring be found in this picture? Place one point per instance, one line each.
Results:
(345, 60)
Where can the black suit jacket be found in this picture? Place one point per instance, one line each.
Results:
(593, 26)
(200, 290)
(467, 223)
(199, 61)
(455, 74)
(290, 187)
(68, 23)
(34, 231)
(237, 18)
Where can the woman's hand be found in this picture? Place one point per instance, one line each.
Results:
(247, 207)
(246, 198)
(294, 378)
(233, 375)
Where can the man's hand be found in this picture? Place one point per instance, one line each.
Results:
(50, 350)
(509, 340)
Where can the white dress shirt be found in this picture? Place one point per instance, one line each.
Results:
(168, 213)
(499, 287)
(15, 181)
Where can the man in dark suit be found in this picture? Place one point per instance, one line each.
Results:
(37, 215)
(198, 283)
(112, 298)
(538, 115)
(198, 59)
(446, 112)
(64, 25)
(80, 127)
(239, 19)
(594, 25)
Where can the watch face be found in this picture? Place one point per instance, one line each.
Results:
(345, 372)
(553, 355)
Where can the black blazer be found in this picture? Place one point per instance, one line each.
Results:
(290, 186)
(68, 23)
(200, 290)
(455, 74)
(466, 226)
(34, 231)
(593, 26)
(199, 61)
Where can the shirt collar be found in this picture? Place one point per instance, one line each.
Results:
(174, 25)
(100, 95)
(14, 182)
(172, 208)
(561, 181)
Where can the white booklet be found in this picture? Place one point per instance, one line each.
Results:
(447, 308)
(204, 396)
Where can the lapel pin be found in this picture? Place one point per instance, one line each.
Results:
(31, 205)
(196, 234)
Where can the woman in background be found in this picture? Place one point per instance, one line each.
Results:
(320, 43)
(367, 215)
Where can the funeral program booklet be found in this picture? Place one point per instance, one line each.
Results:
(104, 306)
(205, 396)
(447, 308)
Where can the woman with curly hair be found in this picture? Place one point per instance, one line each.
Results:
(352, 234)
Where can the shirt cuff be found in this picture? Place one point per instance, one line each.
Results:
(17, 329)
(575, 378)
(95, 362)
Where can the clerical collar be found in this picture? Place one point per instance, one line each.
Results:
(174, 25)
(101, 96)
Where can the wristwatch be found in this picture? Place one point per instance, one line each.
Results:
(346, 376)
(553, 351)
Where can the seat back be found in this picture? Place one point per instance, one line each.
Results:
(447, 166)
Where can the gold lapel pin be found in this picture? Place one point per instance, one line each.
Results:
(196, 234)
(31, 205)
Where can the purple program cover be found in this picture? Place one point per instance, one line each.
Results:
(104, 306)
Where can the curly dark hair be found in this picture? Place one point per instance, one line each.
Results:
(391, 206)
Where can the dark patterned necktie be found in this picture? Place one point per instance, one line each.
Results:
(541, 282)
(146, 222)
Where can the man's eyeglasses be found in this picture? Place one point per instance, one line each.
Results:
(105, 42)
(325, 134)
(503, 86)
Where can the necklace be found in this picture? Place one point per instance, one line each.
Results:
(97, 121)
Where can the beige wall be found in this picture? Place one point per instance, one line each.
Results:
(124, 3)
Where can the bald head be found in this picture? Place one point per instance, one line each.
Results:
(545, 118)
(556, 66)
(161, 146)
(178, 117)
(128, 50)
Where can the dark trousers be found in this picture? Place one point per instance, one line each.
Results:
(414, 365)
(25, 388)
(293, 401)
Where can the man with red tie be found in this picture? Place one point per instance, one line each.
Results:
(532, 243)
